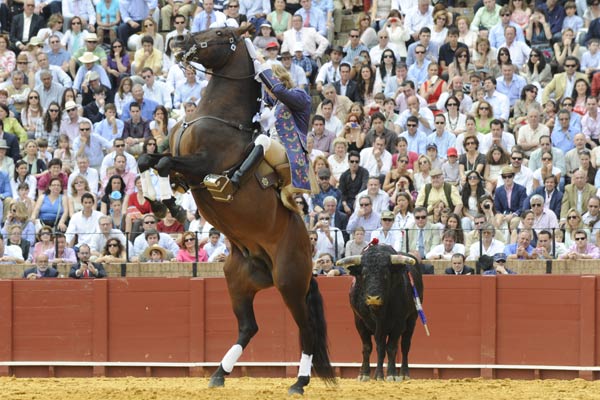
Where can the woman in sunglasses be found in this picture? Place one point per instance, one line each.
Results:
(536, 69)
(191, 249)
(113, 252)
(522, 106)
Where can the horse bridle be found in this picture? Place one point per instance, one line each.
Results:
(232, 42)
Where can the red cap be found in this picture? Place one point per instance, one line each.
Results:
(452, 152)
(270, 45)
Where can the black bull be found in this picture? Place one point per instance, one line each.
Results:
(383, 305)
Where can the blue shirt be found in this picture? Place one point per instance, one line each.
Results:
(58, 58)
(148, 107)
(563, 140)
(317, 199)
(185, 92)
(135, 10)
(555, 17)
(417, 143)
(94, 148)
(316, 20)
(512, 249)
(513, 91)
(431, 52)
(5, 189)
(443, 142)
(574, 122)
(496, 35)
(104, 129)
(418, 74)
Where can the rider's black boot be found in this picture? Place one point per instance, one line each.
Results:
(253, 159)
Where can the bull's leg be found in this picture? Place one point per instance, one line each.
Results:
(364, 374)
(242, 292)
(406, 340)
(380, 345)
(392, 350)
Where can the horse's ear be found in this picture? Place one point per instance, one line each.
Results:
(246, 27)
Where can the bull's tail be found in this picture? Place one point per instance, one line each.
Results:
(318, 327)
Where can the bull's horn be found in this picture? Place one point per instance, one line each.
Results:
(346, 261)
(400, 259)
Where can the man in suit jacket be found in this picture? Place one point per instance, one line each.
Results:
(571, 195)
(41, 270)
(513, 207)
(94, 111)
(552, 196)
(313, 44)
(458, 266)
(558, 84)
(346, 86)
(431, 236)
(84, 268)
(338, 218)
(18, 37)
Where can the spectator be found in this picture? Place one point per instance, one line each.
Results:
(60, 253)
(356, 245)
(90, 144)
(591, 218)
(499, 266)
(438, 190)
(523, 175)
(352, 181)
(329, 238)
(563, 83)
(83, 223)
(155, 254)
(324, 266)
(364, 216)
(113, 252)
(191, 249)
(510, 196)
(544, 250)
(102, 233)
(576, 195)
(222, 252)
(41, 270)
(423, 236)
(581, 249)
(84, 268)
(458, 266)
(522, 250)
(447, 248)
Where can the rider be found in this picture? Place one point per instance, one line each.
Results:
(291, 112)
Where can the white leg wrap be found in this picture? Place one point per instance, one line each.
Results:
(263, 140)
(147, 186)
(231, 357)
(305, 365)
(164, 187)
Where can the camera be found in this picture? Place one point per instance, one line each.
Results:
(354, 125)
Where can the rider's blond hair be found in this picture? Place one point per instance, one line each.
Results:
(283, 75)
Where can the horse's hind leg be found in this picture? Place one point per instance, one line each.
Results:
(242, 289)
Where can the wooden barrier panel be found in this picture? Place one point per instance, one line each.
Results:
(483, 321)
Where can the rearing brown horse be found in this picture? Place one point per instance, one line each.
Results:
(270, 245)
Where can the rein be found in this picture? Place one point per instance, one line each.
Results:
(232, 42)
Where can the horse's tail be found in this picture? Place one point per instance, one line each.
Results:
(318, 327)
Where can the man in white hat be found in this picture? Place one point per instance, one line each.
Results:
(7, 164)
(91, 46)
(48, 89)
(89, 63)
(70, 125)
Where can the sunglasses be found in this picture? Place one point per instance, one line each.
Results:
(536, 205)
(353, 161)
(84, 129)
(411, 125)
(119, 145)
(473, 177)
(573, 217)
(501, 261)
(508, 176)
(580, 238)
(353, 36)
(469, 143)
(179, 22)
(484, 108)
(440, 123)
(383, 37)
(403, 161)
(149, 222)
(33, 98)
(75, 23)
(570, 65)
(451, 105)
(419, 52)
(365, 204)
(423, 162)
(324, 219)
(546, 159)
(189, 240)
(113, 245)
(420, 216)
(117, 46)
(387, 219)
(151, 144)
(517, 158)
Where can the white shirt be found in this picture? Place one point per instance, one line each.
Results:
(380, 202)
(440, 250)
(92, 177)
(109, 161)
(519, 53)
(326, 245)
(496, 246)
(82, 226)
(160, 93)
(368, 161)
(500, 104)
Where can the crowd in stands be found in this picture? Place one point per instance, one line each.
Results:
(436, 132)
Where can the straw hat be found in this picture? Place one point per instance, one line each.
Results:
(88, 57)
(150, 249)
(70, 104)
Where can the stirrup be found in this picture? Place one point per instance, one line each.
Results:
(220, 187)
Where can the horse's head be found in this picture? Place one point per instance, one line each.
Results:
(211, 48)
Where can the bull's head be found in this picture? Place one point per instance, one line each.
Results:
(374, 269)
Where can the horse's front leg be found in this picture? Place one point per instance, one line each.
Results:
(163, 167)
(241, 291)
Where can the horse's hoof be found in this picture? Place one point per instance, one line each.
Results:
(216, 381)
(379, 377)
(394, 378)
(158, 208)
(294, 389)
(364, 378)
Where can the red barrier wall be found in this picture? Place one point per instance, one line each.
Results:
(480, 326)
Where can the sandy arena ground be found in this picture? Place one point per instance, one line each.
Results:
(259, 388)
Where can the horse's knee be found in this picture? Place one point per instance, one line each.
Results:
(145, 162)
(164, 166)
